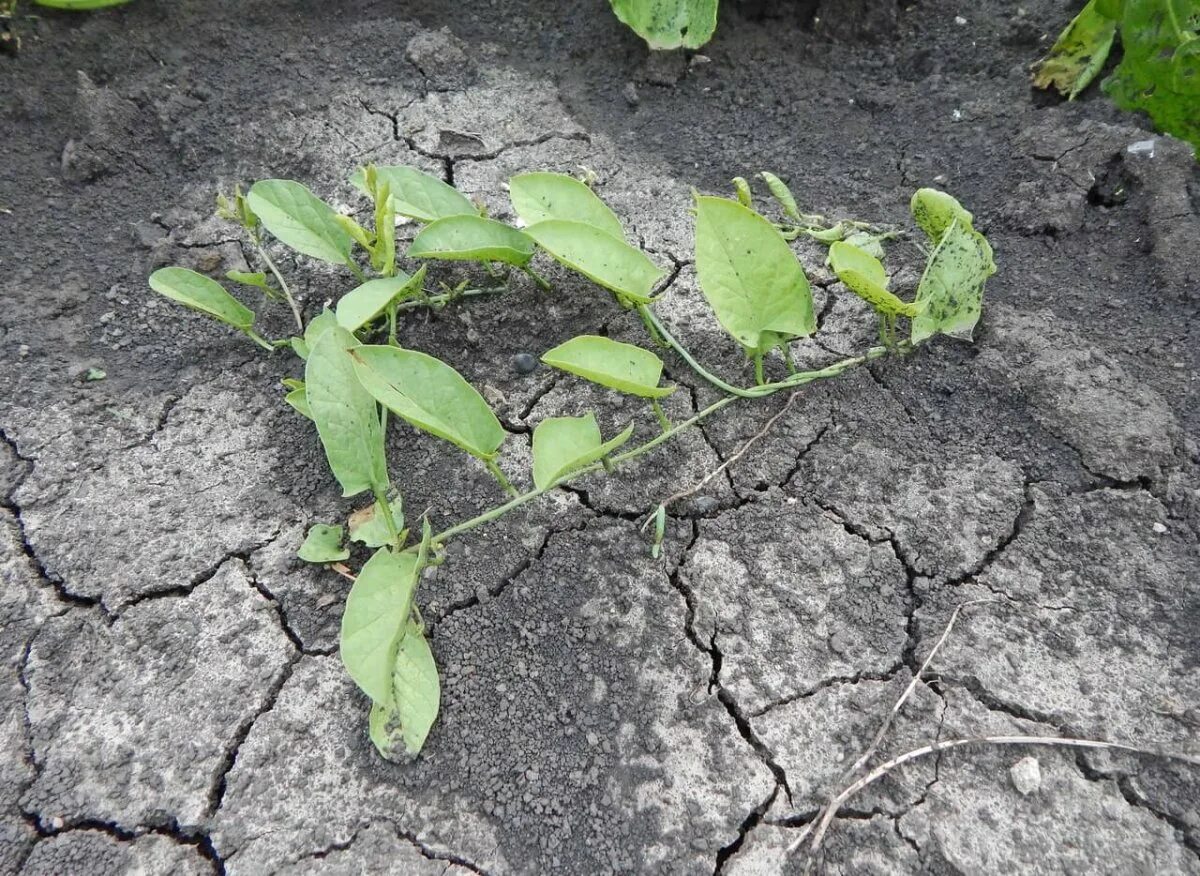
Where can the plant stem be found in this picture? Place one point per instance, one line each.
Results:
(786, 349)
(654, 325)
(444, 298)
(260, 340)
(610, 463)
(661, 414)
(541, 281)
(356, 271)
(287, 292)
(759, 379)
(500, 478)
(388, 520)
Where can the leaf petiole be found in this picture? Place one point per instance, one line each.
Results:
(500, 477)
(661, 415)
(283, 286)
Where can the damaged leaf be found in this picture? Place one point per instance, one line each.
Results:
(369, 527)
(863, 274)
(1079, 53)
(323, 544)
(669, 24)
(404, 725)
(950, 294)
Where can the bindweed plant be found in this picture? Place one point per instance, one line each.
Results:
(356, 374)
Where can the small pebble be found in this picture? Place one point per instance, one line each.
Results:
(704, 505)
(1160, 528)
(524, 363)
(1026, 775)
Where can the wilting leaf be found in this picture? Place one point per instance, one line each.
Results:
(610, 363)
(323, 544)
(203, 294)
(950, 294)
(368, 526)
(781, 193)
(1159, 71)
(538, 197)
(562, 445)
(472, 238)
(744, 196)
(429, 394)
(416, 698)
(364, 303)
(750, 276)
(1078, 54)
(602, 258)
(933, 211)
(863, 275)
(374, 621)
(300, 219)
(416, 194)
(669, 24)
(345, 413)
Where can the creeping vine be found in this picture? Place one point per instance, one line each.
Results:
(356, 374)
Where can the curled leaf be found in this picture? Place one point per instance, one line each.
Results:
(363, 304)
(375, 618)
(863, 274)
(417, 194)
(404, 725)
(602, 258)
(1078, 54)
(950, 295)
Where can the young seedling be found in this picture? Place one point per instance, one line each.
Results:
(747, 272)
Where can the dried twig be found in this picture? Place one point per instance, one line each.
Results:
(818, 828)
(912, 685)
(741, 451)
(343, 570)
(820, 825)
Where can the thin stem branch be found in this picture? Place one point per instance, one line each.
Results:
(389, 521)
(759, 379)
(259, 339)
(283, 286)
(660, 414)
(500, 478)
(819, 828)
(542, 282)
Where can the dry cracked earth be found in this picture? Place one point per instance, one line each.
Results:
(171, 698)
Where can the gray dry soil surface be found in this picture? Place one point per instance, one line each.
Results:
(171, 698)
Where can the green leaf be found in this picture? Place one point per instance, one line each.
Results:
(317, 326)
(345, 413)
(863, 274)
(750, 276)
(538, 197)
(368, 526)
(474, 239)
(1078, 54)
(562, 445)
(203, 294)
(744, 196)
(669, 24)
(416, 698)
(299, 347)
(363, 304)
(300, 219)
(383, 252)
(323, 544)
(257, 279)
(933, 211)
(375, 618)
(1159, 71)
(950, 295)
(297, 395)
(602, 258)
(781, 193)
(417, 194)
(610, 363)
(429, 394)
